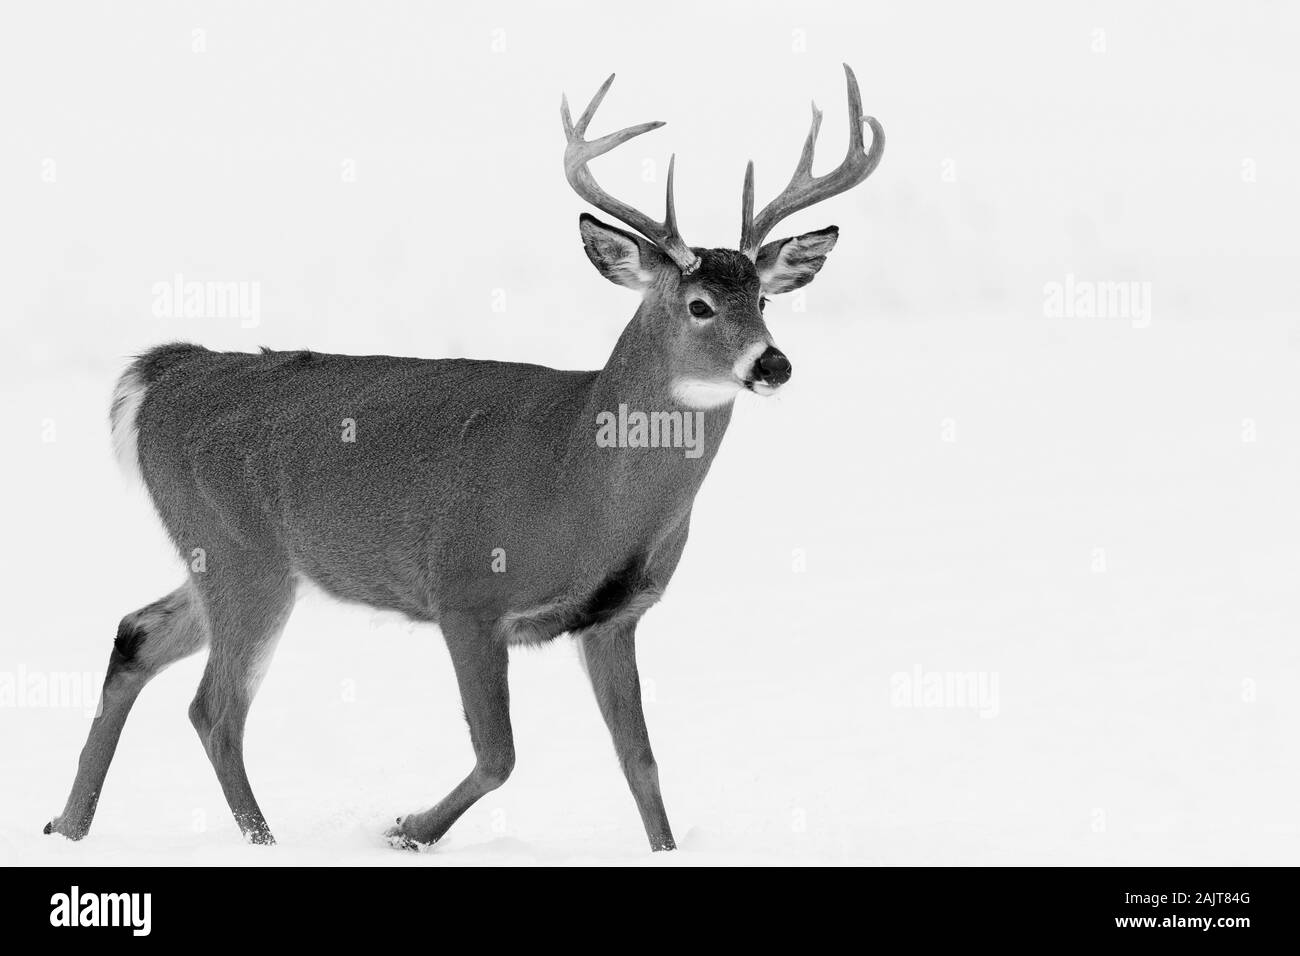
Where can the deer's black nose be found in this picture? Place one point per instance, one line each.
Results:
(772, 367)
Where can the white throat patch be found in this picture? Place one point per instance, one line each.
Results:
(701, 393)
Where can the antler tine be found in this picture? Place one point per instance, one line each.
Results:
(804, 188)
(579, 152)
(747, 206)
(670, 209)
(855, 110)
(594, 105)
(804, 169)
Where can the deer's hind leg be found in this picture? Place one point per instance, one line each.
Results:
(248, 596)
(147, 641)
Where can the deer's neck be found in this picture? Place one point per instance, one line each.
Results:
(638, 444)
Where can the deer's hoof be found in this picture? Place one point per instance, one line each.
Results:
(70, 833)
(398, 839)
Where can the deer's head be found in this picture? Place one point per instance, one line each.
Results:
(704, 307)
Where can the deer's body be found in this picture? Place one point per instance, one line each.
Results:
(472, 494)
(418, 485)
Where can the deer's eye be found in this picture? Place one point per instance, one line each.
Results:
(762, 303)
(700, 309)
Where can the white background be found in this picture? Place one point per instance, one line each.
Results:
(1100, 515)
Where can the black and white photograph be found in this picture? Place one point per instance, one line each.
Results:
(686, 435)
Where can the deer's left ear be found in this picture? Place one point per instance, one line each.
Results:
(787, 264)
(621, 257)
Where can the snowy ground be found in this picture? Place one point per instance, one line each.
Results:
(1143, 713)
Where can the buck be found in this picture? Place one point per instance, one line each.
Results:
(473, 495)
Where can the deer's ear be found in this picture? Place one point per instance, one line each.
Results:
(787, 264)
(619, 256)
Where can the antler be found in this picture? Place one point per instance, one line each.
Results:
(580, 151)
(805, 188)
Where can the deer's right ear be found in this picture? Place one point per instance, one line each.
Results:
(621, 257)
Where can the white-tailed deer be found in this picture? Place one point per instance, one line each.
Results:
(477, 495)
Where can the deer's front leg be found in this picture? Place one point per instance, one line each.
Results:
(481, 660)
(610, 655)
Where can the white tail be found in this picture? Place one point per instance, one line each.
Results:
(504, 502)
(123, 410)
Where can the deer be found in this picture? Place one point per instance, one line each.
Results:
(472, 494)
